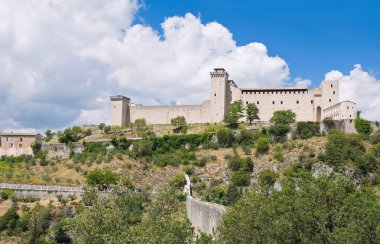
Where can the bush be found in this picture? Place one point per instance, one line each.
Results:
(101, 178)
(180, 124)
(6, 194)
(283, 117)
(278, 132)
(188, 170)
(375, 138)
(376, 150)
(363, 127)
(267, 177)
(9, 219)
(328, 123)
(262, 145)
(308, 129)
(178, 181)
(240, 178)
(278, 156)
(225, 137)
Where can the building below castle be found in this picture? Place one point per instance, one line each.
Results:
(17, 144)
(308, 104)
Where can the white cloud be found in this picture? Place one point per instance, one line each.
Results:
(299, 82)
(62, 59)
(360, 87)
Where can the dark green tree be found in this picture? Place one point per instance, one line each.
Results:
(363, 127)
(234, 114)
(283, 117)
(252, 112)
(180, 124)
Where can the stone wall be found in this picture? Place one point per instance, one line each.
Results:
(61, 150)
(204, 216)
(163, 114)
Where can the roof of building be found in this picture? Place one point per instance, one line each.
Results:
(18, 134)
(119, 98)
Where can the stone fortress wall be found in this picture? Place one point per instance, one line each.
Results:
(308, 104)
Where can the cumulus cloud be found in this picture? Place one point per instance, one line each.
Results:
(361, 87)
(61, 60)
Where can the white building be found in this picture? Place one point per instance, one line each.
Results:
(309, 105)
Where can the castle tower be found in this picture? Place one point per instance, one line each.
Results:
(218, 96)
(119, 110)
(330, 93)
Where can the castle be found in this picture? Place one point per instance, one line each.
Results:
(308, 104)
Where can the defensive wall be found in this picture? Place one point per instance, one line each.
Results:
(163, 114)
(204, 216)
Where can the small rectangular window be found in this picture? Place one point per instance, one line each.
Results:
(333, 92)
(330, 100)
(20, 139)
(331, 85)
(246, 102)
(311, 101)
(258, 102)
(20, 145)
(298, 102)
(11, 145)
(273, 102)
(282, 102)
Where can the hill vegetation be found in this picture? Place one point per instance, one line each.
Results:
(282, 183)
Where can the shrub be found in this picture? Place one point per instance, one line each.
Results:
(267, 177)
(234, 163)
(6, 194)
(201, 162)
(188, 170)
(308, 129)
(225, 137)
(367, 163)
(363, 127)
(178, 181)
(215, 195)
(278, 156)
(9, 219)
(246, 149)
(278, 132)
(101, 178)
(180, 124)
(328, 123)
(376, 150)
(240, 178)
(262, 145)
(375, 138)
(283, 117)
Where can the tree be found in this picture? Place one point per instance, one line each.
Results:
(225, 137)
(109, 220)
(306, 210)
(234, 113)
(101, 178)
(363, 127)
(180, 124)
(283, 117)
(49, 135)
(252, 113)
(166, 222)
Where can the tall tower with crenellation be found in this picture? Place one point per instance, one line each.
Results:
(218, 95)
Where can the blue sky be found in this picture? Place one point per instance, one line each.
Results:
(312, 36)
(60, 61)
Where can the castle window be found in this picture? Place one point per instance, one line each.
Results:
(273, 102)
(299, 92)
(20, 139)
(215, 95)
(330, 100)
(20, 145)
(254, 93)
(298, 102)
(11, 145)
(282, 102)
(311, 101)
(348, 107)
(331, 85)
(250, 92)
(258, 102)
(333, 92)
(246, 102)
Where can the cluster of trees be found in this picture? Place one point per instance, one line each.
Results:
(306, 210)
(236, 112)
(102, 179)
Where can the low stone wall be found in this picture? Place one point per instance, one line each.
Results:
(61, 150)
